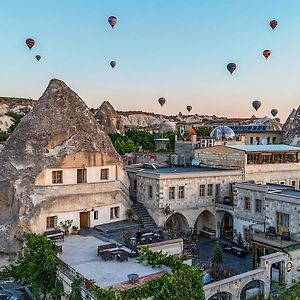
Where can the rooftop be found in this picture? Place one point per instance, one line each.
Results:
(80, 252)
(176, 170)
(249, 128)
(264, 148)
(289, 192)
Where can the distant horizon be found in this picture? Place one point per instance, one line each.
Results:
(170, 49)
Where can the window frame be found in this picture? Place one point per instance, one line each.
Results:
(202, 191)
(247, 201)
(209, 189)
(115, 213)
(172, 192)
(55, 178)
(181, 192)
(150, 192)
(102, 173)
(52, 221)
(258, 204)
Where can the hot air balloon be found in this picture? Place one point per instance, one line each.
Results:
(30, 43)
(112, 21)
(113, 63)
(274, 112)
(256, 104)
(189, 108)
(231, 67)
(266, 53)
(38, 57)
(162, 101)
(273, 24)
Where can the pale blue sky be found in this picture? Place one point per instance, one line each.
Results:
(177, 49)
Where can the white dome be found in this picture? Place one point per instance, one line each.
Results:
(167, 126)
(222, 133)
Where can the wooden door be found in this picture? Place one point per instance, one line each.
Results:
(84, 219)
(282, 222)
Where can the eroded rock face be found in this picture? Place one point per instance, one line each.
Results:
(59, 125)
(109, 119)
(291, 128)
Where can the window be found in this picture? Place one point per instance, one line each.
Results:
(282, 182)
(181, 192)
(202, 190)
(293, 183)
(104, 174)
(57, 177)
(172, 192)
(283, 221)
(247, 204)
(268, 139)
(51, 222)
(274, 140)
(135, 185)
(150, 191)
(251, 139)
(96, 215)
(115, 212)
(209, 189)
(247, 234)
(81, 175)
(258, 205)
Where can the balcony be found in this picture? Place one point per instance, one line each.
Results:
(225, 203)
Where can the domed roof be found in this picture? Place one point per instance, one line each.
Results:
(222, 133)
(167, 126)
(192, 131)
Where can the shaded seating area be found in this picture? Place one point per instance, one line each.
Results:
(112, 251)
(271, 232)
(55, 235)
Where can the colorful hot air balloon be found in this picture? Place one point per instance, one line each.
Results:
(231, 67)
(274, 112)
(30, 43)
(38, 57)
(112, 21)
(162, 101)
(256, 104)
(113, 63)
(266, 53)
(189, 108)
(273, 24)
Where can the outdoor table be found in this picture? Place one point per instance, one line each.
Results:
(147, 234)
(239, 251)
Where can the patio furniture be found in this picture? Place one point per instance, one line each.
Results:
(130, 251)
(239, 251)
(227, 248)
(133, 277)
(271, 232)
(105, 247)
(286, 236)
(122, 256)
(54, 235)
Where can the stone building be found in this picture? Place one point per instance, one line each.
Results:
(261, 163)
(192, 194)
(59, 165)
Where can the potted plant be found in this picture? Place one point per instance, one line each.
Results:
(65, 226)
(130, 214)
(75, 229)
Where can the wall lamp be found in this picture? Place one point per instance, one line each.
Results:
(237, 285)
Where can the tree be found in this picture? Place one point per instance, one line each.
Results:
(76, 290)
(38, 267)
(218, 254)
(292, 293)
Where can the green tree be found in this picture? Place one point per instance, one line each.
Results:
(142, 138)
(285, 293)
(218, 254)
(203, 131)
(37, 267)
(123, 144)
(76, 290)
(3, 136)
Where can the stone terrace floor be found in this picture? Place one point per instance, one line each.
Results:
(80, 252)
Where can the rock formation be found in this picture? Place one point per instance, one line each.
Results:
(59, 125)
(109, 119)
(291, 128)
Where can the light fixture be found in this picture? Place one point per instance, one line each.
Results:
(267, 263)
(237, 284)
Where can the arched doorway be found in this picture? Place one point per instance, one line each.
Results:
(177, 222)
(206, 224)
(254, 290)
(221, 296)
(227, 226)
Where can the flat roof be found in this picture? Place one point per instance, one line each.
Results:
(290, 192)
(264, 148)
(176, 170)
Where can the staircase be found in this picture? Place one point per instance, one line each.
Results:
(144, 216)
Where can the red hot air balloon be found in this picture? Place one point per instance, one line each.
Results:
(30, 43)
(256, 104)
(266, 53)
(113, 63)
(38, 57)
(231, 67)
(273, 24)
(112, 21)
(161, 101)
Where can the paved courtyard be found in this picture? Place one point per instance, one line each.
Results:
(80, 252)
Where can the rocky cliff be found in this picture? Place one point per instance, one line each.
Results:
(291, 128)
(59, 125)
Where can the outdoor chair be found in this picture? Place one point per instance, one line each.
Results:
(106, 255)
(123, 256)
(271, 232)
(104, 247)
(286, 236)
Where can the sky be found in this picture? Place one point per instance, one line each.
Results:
(177, 49)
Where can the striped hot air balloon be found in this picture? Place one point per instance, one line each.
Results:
(112, 20)
(30, 43)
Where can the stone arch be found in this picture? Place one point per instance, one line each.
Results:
(256, 288)
(221, 296)
(224, 224)
(206, 223)
(179, 221)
